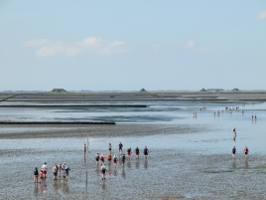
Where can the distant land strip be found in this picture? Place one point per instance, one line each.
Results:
(76, 106)
(53, 122)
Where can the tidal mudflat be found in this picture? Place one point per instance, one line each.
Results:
(190, 155)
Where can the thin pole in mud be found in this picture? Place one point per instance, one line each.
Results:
(87, 152)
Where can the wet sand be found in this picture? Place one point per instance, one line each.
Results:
(168, 173)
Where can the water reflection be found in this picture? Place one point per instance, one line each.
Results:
(246, 163)
(115, 172)
(43, 186)
(103, 186)
(146, 164)
(123, 173)
(234, 163)
(56, 186)
(137, 163)
(65, 188)
(129, 164)
(36, 190)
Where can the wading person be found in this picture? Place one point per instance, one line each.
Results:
(123, 159)
(145, 152)
(97, 158)
(55, 171)
(44, 169)
(103, 170)
(84, 148)
(120, 147)
(102, 158)
(115, 160)
(109, 158)
(129, 152)
(109, 147)
(234, 151)
(35, 175)
(245, 150)
(137, 153)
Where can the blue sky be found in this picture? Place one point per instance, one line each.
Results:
(129, 45)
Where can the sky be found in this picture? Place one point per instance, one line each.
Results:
(129, 45)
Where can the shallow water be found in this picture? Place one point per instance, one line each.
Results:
(188, 156)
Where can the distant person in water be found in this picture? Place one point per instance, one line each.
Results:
(103, 170)
(245, 150)
(115, 160)
(137, 153)
(234, 130)
(109, 158)
(234, 151)
(97, 158)
(123, 159)
(145, 152)
(84, 148)
(44, 169)
(102, 158)
(120, 147)
(109, 147)
(129, 152)
(35, 175)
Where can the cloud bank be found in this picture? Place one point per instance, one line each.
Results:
(96, 45)
(261, 15)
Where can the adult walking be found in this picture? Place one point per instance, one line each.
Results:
(245, 150)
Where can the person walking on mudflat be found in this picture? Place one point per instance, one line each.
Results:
(234, 151)
(103, 170)
(109, 147)
(123, 159)
(115, 160)
(137, 153)
(120, 147)
(245, 150)
(145, 151)
(35, 175)
(97, 158)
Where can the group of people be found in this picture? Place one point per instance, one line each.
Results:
(56, 170)
(245, 150)
(114, 158)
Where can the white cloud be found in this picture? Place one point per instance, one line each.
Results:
(91, 42)
(261, 15)
(88, 45)
(35, 42)
(116, 47)
(189, 44)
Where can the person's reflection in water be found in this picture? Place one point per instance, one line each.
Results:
(246, 163)
(103, 187)
(97, 169)
(36, 190)
(115, 172)
(123, 173)
(234, 163)
(137, 163)
(129, 163)
(65, 188)
(146, 164)
(43, 186)
(109, 170)
(56, 186)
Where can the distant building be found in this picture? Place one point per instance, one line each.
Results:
(235, 90)
(142, 90)
(59, 90)
(203, 90)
